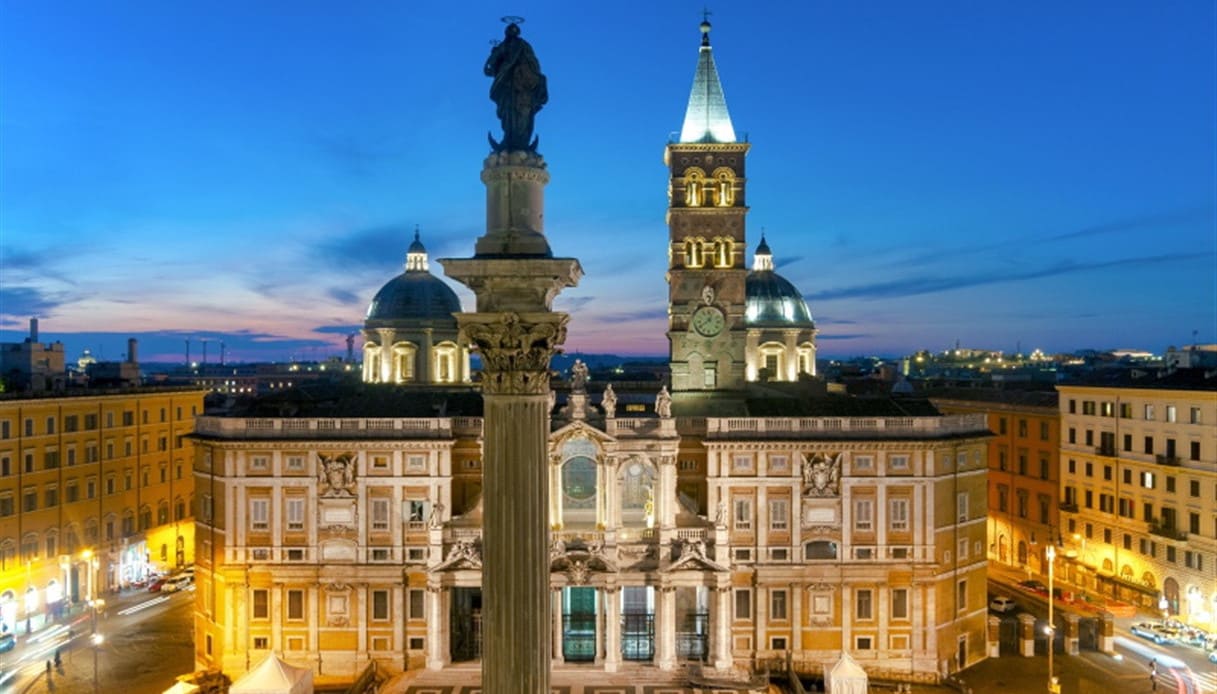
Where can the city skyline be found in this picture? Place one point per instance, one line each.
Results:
(1032, 175)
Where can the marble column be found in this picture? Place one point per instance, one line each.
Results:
(665, 628)
(437, 654)
(559, 656)
(515, 330)
(612, 628)
(722, 628)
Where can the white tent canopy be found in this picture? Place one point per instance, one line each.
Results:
(845, 677)
(273, 676)
(182, 688)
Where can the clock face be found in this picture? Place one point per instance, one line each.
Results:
(708, 321)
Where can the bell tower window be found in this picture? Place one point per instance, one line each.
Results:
(725, 189)
(695, 187)
(695, 255)
(724, 249)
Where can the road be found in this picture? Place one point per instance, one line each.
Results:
(1178, 668)
(146, 643)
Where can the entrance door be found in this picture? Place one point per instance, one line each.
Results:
(579, 624)
(465, 627)
(637, 623)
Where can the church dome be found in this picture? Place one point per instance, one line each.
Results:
(416, 294)
(771, 300)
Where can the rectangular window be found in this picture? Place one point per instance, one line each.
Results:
(294, 510)
(961, 506)
(1149, 413)
(1171, 413)
(1022, 428)
(779, 464)
(261, 603)
(777, 605)
(1194, 488)
(259, 514)
(295, 463)
(1147, 480)
(899, 462)
(1044, 431)
(380, 514)
(416, 604)
(961, 592)
(864, 462)
(862, 604)
(259, 463)
(1194, 416)
(416, 463)
(1148, 449)
(898, 514)
(743, 513)
(900, 603)
(864, 515)
(743, 604)
(1195, 450)
(295, 605)
(380, 605)
(779, 515)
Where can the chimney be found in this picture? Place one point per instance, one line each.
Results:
(33, 330)
(132, 351)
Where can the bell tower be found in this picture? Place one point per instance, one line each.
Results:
(706, 210)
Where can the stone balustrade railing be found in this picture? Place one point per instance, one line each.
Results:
(321, 427)
(828, 426)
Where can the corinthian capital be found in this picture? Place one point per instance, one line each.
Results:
(515, 348)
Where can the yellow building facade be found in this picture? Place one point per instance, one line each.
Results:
(96, 491)
(1139, 489)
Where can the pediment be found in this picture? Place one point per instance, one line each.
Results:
(579, 429)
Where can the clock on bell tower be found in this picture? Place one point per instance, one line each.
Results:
(706, 210)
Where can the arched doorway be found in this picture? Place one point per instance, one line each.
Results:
(1022, 552)
(1170, 588)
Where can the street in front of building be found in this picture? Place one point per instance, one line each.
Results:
(146, 642)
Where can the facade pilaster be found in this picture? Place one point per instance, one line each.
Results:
(791, 362)
(426, 358)
(796, 617)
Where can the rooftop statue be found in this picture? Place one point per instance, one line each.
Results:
(518, 89)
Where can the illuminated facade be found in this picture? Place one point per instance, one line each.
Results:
(1139, 489)
(95, 480)
(1023, 470)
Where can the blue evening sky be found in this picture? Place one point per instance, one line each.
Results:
(999, 173)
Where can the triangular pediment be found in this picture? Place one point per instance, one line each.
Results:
(579, 429)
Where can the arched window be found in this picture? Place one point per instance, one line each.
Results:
(724, 251)
(371, 363)
(694, 252)
(807, 359)
(29, 547)
(772, 361)
(446, 370)
(695, 187)
(403, 362)
(724, 188)
(820, 549)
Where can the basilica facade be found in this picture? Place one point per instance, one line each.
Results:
(748, 512)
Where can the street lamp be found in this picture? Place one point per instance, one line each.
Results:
(1053, 686)
(97, 641)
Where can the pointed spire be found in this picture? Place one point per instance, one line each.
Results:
(706, 118)
(416, 255)
(763, 258)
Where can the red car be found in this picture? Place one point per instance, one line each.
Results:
(155, 586)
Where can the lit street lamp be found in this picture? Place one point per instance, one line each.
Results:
(1053, 685)
(97, 641)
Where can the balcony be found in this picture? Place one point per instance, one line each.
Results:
(1169, 532)
(1108, 451)
(1069, 506)
(1171, 460)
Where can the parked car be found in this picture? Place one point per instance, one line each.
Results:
(156, 585)
(1154, 632)
(1034, 586)
(1213, 656)
(8, 641)
(1002, 604)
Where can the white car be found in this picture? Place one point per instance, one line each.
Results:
(177, 583)
(1002, 604)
